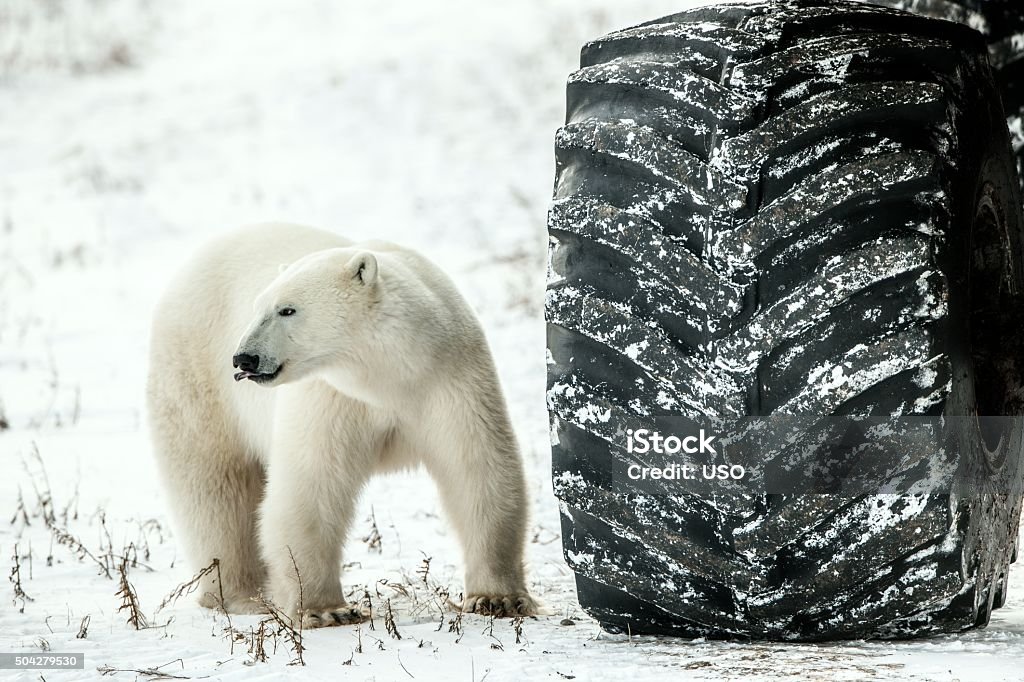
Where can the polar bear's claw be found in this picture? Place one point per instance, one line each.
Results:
(339, 615)
(506, 606)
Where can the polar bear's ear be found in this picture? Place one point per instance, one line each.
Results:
(363, 267)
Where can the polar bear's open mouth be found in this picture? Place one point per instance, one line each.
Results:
(257, 377)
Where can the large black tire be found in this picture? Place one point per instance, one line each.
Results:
(793, 207)
(1002, 24)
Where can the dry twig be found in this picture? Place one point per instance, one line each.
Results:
(15, 578)
(129, 598)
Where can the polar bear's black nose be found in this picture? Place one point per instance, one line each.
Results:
(247, 363)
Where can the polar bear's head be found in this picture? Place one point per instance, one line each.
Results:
(312, 316)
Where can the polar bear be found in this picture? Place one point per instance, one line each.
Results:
(275, 391)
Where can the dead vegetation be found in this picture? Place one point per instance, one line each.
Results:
(389, 620)
(424, 570)
(191, 585)
(373, 538)
(517, 628)
(129, 598)
(77, 547)
(280, 624)
(15, 578)
(74, 36)
(262, 639)
(417, 595)
(45, 511)
(154, 673)
(83, 627)
(108, 561)
(21, 512)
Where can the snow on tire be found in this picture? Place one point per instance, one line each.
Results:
(1002, 24)
(746, 194)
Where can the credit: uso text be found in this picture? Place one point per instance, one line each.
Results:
(686, 472)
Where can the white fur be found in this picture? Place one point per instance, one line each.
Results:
(383, 366)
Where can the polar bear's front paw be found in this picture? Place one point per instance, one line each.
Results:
(500, 606)
(345, 614)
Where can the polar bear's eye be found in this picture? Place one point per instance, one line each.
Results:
(285, 312)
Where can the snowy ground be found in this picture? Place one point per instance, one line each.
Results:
(130, 131)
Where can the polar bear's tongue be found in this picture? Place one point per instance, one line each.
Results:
(244, 375)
